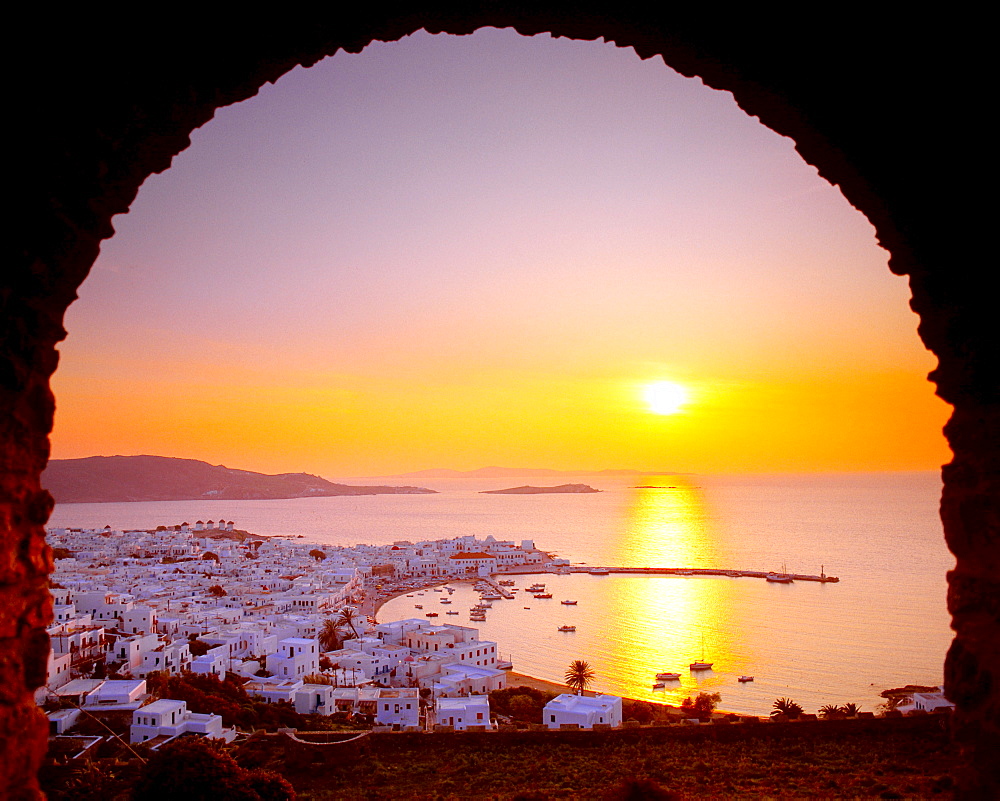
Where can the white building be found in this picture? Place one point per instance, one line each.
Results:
(461, 713)
(399, 708)
(296, 657)
(583, 711)
(168, 718)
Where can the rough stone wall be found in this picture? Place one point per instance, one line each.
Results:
(104, 103)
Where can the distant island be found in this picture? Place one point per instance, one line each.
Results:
(539, 490)
(116, 479)
(516, 472)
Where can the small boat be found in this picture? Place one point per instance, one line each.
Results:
(659, 685)
(536, 588)
(451, 612)
(745, 679)
(478, 618)
(568, 603)
(667, 676)
(701, 664)
(418, 606)
(544, 595)
(445, 601)
(431, 614)
(567, 628)
(779, 578)
(527, 607)
(600, 571)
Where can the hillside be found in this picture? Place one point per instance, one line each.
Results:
(112, 479)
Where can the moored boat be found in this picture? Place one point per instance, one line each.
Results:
(745, 679)
(567, 628)
(667, 676)
(568, 603)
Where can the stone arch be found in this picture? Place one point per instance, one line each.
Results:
(100, 108)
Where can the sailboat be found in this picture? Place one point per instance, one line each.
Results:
(701, 664)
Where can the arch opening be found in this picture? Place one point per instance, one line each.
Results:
(836, 114)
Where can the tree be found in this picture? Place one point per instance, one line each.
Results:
(330, 638)
(210, 555)
(786, 707)
(196, 768)
(217, 590)
(831, 711)
(579, 675)
(348, 617)
(701, 707)
(851, 710)
(317, 554)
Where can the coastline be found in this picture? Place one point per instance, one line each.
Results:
(371, 606)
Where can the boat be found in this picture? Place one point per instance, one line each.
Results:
(667, 676)
(445, 601)
(431, 614)
(544, 595)
(659, 685)
(779, 578)
(568, 603)
(451, 612)
(478, 618)
(536, 588)
(418, 606)
(745, 679)
(567, 628)
(600, 571)
(701, 664)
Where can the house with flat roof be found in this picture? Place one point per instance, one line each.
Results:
(463, 713)
(583, 711)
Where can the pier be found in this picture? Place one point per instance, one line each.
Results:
(681, 572)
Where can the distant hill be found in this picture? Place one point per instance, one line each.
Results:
(113, 479)
(518, 472)
(539, 490)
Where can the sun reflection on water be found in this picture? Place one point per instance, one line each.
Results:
(668, 618)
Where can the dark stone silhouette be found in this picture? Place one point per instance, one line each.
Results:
(883, 102)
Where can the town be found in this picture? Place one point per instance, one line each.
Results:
(291, 621)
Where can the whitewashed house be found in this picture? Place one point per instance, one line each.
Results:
(398, 707)
(168, 718)
(583, 711)
(461, 713)
(296, 657)
(314, 699)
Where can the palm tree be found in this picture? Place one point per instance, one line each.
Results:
(851, 710)
(330, 638)
(348, 617)
(579, 675)
(831, 711)
(786, 707)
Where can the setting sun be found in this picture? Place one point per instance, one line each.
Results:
(665, 397)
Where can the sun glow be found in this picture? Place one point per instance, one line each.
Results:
(666, 397)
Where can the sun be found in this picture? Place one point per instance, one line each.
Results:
(665, 397)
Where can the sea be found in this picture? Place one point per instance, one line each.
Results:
(883, 625)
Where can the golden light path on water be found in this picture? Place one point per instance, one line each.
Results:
(666, 526)
(628, 627)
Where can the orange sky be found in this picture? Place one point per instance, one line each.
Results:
(454, 252)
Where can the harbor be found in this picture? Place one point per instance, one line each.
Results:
(715, 572)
